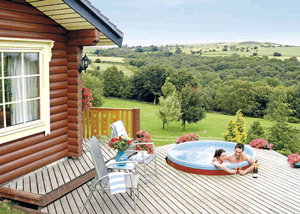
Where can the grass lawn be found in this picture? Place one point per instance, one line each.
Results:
(213, 125)
(7, 208)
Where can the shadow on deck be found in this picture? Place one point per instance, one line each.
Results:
(51, 182)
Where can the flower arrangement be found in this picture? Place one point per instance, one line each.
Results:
(260, 143)
(185, 138)
(87, 98)
(144, 137)
(293, 158)
(121, 143)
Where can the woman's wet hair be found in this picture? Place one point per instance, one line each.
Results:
(218, 152)
(239, 146)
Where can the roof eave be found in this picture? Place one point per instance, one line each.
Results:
(87, 12)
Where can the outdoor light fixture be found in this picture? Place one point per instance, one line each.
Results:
(84, 64)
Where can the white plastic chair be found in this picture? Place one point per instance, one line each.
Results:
(102, 175)
(118, 129)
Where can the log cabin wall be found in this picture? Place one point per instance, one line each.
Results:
(76, 40)
(18, 19)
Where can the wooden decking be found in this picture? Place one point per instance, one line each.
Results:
(276, 190)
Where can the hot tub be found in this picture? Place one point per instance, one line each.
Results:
(196, 157)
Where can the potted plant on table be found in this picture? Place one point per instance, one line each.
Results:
(121, 144)
(294, 160)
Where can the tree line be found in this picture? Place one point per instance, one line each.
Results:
(227, 83)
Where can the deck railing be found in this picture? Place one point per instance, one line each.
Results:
(97, 121)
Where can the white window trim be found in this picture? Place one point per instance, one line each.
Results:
(43, 125)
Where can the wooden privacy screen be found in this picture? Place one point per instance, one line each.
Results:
(97, 121)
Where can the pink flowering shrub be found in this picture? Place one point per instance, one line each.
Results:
(186, 138)
(144, 137)
(87, 98)
(260, 143)
(293, 158)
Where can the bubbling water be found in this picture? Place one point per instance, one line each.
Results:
(199, 155)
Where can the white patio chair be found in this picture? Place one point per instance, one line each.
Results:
(118, 129)
(102, 175)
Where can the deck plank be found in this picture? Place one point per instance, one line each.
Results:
(53, 180)
(26, 184)
(72, 203)
(33, 183)
(58, 175)
(65, 205)
(20, 185)
(47, 183)
(88, 208)
(276, 190)
(40, 183)
(64, 173)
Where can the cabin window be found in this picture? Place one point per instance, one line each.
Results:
(24, 88)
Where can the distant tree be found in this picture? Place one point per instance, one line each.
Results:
(169, 109)
(276, 54)
(192, 102)
(294, 59)
(98, 60)
(168, 88)
(97, 52)
(178, 51)
(242, 48)
(113, 80)
(254, 54)
(233, 47)
(148, 81)
(90, 61)
(256, 131)
(98, 68)
(225, 48)
(281, 134)
(154, 48)
(139, 49)
(95, 85)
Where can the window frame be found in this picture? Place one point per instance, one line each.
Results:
(43, 47)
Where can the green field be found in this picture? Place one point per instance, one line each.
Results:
(104, 66)
(105, 58)
(213, 125)
(286, 52)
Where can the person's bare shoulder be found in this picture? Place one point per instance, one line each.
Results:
(248, 158)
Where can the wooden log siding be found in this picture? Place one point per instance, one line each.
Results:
(18, 19)
(76, 39)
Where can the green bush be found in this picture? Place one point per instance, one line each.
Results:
(236, 129)
(276, 54)
(98, 60)
(254, 54)
(293, 120)
(256, 131)
(284, 152)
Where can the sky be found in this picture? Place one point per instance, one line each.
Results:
(159, 22)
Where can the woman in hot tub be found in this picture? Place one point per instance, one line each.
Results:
(219, 160)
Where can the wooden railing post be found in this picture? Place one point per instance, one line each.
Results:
(136, 121)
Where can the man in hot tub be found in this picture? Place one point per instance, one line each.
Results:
(239, 156)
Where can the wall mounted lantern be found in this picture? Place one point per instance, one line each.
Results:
(84, 64)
